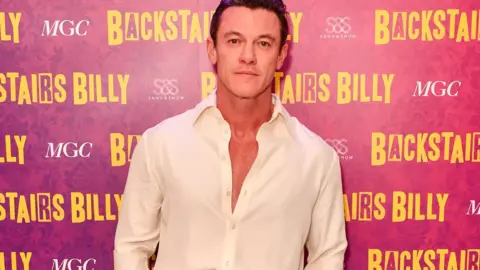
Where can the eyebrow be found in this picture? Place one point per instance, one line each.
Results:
(235, 33)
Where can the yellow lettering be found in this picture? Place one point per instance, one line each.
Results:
(426, 31)
(427, 25)
(117, 148)
(117, 152)
(442, 202)
(438, 18)
(382, 32)
(295, 19)
(288, 91)
(424, 147)
(378, 156)
(323, 82)
(196, 32)
(158, 26)
(41, 88)
(463, 32)
(172, 31)
(413, 32)
(408, 206)
(88, 88)
(399, 31)
(145, 33)
(80, 94)
(343, 94)
(364, 206)
(374, 259)
(114, 22)
(399, 212)
(132, 26)
(14, 153)
(61, 94)
(78, 203)
(23, 211)
(13, 20)
(123, 82)
(26, 257)
(416, 259)
(59, 213)
(108, 208)
(208, 83)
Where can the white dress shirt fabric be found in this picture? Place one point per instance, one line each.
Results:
(178, 194)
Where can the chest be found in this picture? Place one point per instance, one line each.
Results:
(276, 176)
(242, 157)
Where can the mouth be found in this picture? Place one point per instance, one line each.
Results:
(246, 73)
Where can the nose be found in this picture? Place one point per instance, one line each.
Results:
(248, 55)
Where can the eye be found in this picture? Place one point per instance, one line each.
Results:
(233, 41)
(264, 44)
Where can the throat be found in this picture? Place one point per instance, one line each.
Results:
(245, 116)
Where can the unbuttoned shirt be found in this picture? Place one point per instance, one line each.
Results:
(178, 194)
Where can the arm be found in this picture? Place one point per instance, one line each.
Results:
(138, 227)
(327, 241)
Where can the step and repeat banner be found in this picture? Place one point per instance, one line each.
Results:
(392, 86)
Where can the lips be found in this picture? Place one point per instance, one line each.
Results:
(246, 73)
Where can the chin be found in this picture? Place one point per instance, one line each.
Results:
(247, 92)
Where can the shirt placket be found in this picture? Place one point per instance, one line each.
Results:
(243, 199)
(226, 183)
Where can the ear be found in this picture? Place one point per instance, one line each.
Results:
(282, 55)
(211, 50)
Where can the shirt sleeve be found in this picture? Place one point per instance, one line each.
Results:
(138, 227)
(327, 241)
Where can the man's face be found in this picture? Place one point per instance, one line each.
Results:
(248, 50)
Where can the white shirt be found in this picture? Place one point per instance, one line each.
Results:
(178, 194)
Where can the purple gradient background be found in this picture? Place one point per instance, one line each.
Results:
(145, 61)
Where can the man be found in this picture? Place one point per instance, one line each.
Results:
(236, 182)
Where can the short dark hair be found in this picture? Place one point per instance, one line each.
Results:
(276, 6)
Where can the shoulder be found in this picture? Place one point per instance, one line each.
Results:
(173, 127)
(313, 145)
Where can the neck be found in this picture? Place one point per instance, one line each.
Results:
(245, 116)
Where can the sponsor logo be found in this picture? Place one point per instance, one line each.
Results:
(66, 28)
(338, 28)
(166, 89)
(437, 88)
(473, 208)
(340, 146)
(74, 264)
(69, 150)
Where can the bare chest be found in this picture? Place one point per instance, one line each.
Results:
(242, 157)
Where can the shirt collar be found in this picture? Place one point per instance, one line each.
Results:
(279, 110)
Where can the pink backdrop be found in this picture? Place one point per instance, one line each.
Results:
(393, 86)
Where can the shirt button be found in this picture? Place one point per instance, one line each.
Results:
(227, 263)
(234, 226)
(228, 193)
